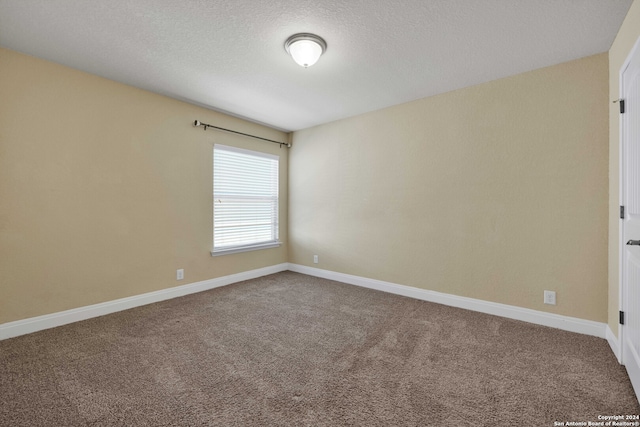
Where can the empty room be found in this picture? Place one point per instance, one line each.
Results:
(296, 213)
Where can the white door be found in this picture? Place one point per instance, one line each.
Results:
(630, 251)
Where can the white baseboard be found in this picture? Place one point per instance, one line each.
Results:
(572, 324)
(588, 327)
(614, 343)
(34, 324)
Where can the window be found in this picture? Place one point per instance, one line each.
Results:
(245, 200)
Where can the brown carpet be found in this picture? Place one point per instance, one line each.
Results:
(290, 349)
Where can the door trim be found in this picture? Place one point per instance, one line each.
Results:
(621, 170)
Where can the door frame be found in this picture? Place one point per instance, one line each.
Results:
(622, 305)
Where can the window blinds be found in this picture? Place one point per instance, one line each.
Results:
(245, 199)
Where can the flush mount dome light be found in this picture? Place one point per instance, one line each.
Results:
(305, 48)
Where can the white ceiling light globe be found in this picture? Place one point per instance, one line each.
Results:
(305, 52)
(305, 48)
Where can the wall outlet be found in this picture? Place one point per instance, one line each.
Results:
(315, 259)
(180, 274)
(550, 297)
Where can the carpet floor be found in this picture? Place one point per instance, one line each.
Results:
(294, 350)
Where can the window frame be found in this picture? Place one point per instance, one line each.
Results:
(275, 230)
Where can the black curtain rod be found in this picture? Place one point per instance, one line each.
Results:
(205, 125)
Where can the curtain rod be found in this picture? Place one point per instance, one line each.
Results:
(205, 125)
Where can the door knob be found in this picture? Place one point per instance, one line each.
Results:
(633, 242)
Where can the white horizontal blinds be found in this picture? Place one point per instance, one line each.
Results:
(245, 198)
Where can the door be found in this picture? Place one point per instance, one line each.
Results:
(630, 194)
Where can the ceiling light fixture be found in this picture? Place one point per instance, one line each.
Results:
(305, 48)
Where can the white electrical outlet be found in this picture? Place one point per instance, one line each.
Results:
(550, 297)
(315, 259)
(180, 274)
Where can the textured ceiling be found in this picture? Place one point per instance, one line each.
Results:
(229, 55)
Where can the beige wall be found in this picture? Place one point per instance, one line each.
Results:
(105, 190)
(621, 48)
(496, 192)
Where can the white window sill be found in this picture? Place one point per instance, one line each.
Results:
(237, 250)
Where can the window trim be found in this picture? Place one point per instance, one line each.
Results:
(248, 248)
(254, 246)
